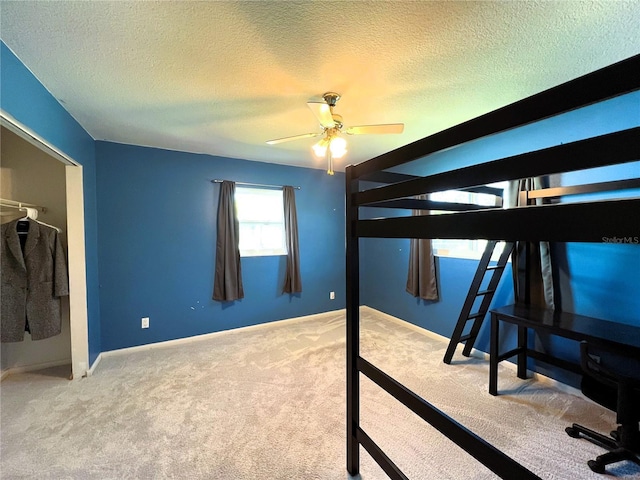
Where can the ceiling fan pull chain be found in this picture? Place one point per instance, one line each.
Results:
(330, 160)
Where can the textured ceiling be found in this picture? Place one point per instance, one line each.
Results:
(224, 77)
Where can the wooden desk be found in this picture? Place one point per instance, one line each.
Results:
(563, 324)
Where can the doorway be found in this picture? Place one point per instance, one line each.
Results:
(33, 171)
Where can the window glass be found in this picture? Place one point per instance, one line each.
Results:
(261, 217)
(465, 248)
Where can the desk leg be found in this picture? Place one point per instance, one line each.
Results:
(522, 354)
(493, 355)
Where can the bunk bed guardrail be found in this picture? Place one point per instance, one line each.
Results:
(588, 221)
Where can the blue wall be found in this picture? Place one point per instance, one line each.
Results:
(601, 118)
(24, 98)
(600, 280)
(384, 270)
(155, 212)
(157, 223)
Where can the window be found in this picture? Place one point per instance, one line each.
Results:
(465, 248)
(261, 218)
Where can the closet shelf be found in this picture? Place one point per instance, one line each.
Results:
(6, 203)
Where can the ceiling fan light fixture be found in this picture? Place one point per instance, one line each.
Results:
(338, 147)
(330, 147)
(320, 148)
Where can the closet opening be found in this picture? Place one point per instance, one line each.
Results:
(37, 176)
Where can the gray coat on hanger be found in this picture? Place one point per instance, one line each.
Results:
(32, 283)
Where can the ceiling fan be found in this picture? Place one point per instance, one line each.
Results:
(332, 145)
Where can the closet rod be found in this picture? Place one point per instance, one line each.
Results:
(253, 184)
(15, 204)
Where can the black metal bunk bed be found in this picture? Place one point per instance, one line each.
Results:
(588, 221)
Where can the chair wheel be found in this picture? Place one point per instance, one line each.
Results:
(596, 467)
(572, 432)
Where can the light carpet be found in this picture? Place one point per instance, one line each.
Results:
(269, 403)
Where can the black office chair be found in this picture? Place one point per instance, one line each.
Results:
(612, 379)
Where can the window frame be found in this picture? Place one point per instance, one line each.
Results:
(248, 220)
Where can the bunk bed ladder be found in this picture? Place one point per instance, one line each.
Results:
(474, 293)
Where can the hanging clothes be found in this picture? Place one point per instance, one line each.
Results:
(32, 281)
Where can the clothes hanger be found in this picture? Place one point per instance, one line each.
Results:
(23, 223)
(32, 214)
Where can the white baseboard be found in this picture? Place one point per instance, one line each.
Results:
(206, 336)
(363, 309)
(94, 365)
(563, 387)
(404, 323)
(33, 367)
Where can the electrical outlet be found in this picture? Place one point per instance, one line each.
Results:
(145, 322)
(332, 295)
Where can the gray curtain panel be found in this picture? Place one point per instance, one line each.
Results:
(227, 283)
(531, 261)
(292, 280)
(421, 278)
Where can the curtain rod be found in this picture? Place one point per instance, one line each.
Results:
(253, 184)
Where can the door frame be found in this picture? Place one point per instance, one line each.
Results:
(78, 312)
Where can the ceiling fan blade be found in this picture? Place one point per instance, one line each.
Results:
(295, 137)
(378, 129)
(322, 111)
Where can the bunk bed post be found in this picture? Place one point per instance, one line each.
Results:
(353, 324)
(593, 221)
